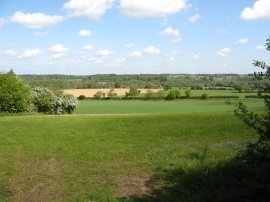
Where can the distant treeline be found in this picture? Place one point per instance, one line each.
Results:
(241, 83)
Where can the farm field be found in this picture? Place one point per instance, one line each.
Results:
(122, 91)
(159, 107)
(84, 158)
(117, 158)
(92, 92)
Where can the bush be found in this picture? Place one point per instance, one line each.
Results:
(99, 95)
(81, 97)
(69, 103)
(111, 93)
(188, 93)
(204, 96)
(133, 92)
(45, 101)
(14, 94)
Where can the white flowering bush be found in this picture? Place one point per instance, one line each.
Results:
(45, 101)
(69, 103)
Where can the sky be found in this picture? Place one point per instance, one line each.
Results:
(86, 37)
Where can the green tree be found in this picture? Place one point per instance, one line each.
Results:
(99, 95)
(111, 93)
(204, 96)
(260, 123)
(133, 92)
(14, 93)
(188, 93)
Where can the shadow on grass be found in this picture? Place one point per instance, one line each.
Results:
(245, 178)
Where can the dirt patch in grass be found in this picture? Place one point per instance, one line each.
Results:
(133, 186)
(38, 180)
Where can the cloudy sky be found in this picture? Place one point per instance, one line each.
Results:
(132, 36)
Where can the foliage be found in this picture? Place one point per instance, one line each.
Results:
(45, 101)
(260, 123)
(188, 93)
(111, 93)
(14, 93)
(69, 103)
(133, 92)
(99, 95)
(166, 81)
(82, 97)
(173, 94)
(204, 96)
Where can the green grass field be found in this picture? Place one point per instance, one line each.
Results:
(116, 158)
(178, 106)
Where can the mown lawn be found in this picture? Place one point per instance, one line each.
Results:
(112, 158)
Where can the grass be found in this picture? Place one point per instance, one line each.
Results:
(86, 158)
(178, 106)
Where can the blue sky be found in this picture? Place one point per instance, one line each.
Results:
(132, 36)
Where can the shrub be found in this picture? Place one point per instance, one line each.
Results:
(69, 103)
(133, 92)
(204, 96)
(99, 95)
(171, 95)
(81, 97)
(188, 93)
(14, 94)
(111, 93)
(45, 101)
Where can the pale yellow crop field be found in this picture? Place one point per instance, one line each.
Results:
(92, 92)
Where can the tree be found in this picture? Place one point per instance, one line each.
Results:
(260, 123)
(133, 92)
(14, 93)
(149, 94)
(188, 93)
(111, 93)
(204, 96)
(99, 95)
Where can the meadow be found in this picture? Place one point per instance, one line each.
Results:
(122, 91)
(162, 106)
(118, 158)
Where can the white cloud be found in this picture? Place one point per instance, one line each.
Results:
(242, 41)
(40, 33)
(224, 52)
(172, 32)
(88, 47)
(35, 20)
(195, 56)
(59, 51)
(91, 9)
(105, 53)
(260, 47)
(194, 18)
(59, 48)
(129, 45)
(151, 8)
(84, 33)
(58, 55)
(120, 60)
(259, 10)
(171, 58)
(135, 54)
(2, 22)
(151, 50)
(10, 53)
(29, 53)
